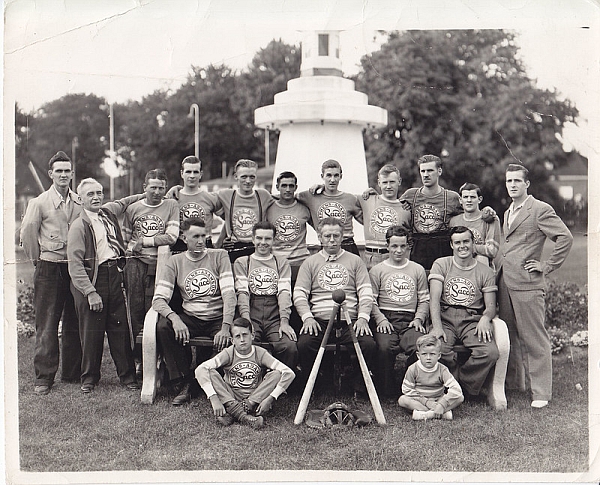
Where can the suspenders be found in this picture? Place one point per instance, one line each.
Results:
(417, 192)
(231, 209)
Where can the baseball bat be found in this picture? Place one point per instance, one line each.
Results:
(365, 372)
(338, 297)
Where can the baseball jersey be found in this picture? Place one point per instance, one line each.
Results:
(342, 206)
(243, 373)
(206, 286)
(321, 274)
(399, 288)
(486, 236)
(378, 215)
(290, 238)
(463, 286)
(431, 383)
(245, 211)
(431, 214)
(159, 223)
(202, 205)
(268, 276)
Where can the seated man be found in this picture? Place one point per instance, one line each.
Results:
(400, 307)
(204, 278)
(262, 283)
(245, 392)
(463, 303)
(320, 275)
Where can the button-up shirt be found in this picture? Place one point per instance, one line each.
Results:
(513, 211)
(103, 249)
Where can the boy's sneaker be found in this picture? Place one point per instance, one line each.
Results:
(447, 415)
(422, 415)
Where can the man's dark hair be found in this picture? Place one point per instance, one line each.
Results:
(192, 221)
(469, 186)
(191, 160)
(429, 159)
(59, 157)
(157, 173)
(330, 164)
(517, 167)
(398, 231)
(287, 175)
(330, 221)
(242, 323)
(461, 230)
(264, 225)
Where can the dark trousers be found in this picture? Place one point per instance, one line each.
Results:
(240, 249)
(178, 358)
(139, 278)
(308, 347)
(402, 339)
(53, 298)
(264, 312)
(112, 320)
(429, 247)
(459, 325)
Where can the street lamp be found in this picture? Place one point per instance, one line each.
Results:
(74, 147)
(195, 112)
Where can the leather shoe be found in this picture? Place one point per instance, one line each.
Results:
(87, 388)
(133, 386)
(42, 389)
(183, 396)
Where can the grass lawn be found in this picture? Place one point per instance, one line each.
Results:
(111, 430)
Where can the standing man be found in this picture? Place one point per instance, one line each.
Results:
(320, 275)
(382, 212)
(431, 206)
(400, 307)
(192, 201)
(332, 202)
(528, 222)
(463, 303)
(243, 208)
(262, 283)
(148, 223)
(204, 279)
(486, 234)
(96, 259)
(44, 239)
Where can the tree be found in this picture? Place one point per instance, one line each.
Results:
(465, 96)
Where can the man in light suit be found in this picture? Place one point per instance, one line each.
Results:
(528, 222)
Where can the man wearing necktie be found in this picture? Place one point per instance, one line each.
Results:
(96, 260)
(528, 222)
(44, 240)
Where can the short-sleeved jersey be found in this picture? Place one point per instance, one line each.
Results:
(319, 277)
(143, 220)
(431, 214)
(486, 236)
(400, 288)
(463, 287)
(202, 284)
(246, 211)
(378, 215)
(342, 206)
(202, 205)
(290, 239)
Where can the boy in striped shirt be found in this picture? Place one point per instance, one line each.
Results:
(205, 281)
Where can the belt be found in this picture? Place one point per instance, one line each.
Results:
(109, 263)
(376, 250)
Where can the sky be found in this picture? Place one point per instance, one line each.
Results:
(124, 49)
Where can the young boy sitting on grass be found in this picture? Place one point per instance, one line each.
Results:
(426, 381)
(245, 392)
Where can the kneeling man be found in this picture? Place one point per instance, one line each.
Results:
(463, 303)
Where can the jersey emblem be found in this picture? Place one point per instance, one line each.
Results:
(245, 375)
(382, 218)
(332, 276)
(243, 220)
(459, 291)
(288, 228)
(149, 225)
(263, 281)
(400, 288)
(191, 209)
(427, 218)
(200, 282)
(332, 209)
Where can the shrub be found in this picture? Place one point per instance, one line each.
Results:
(580, 339)
(25, 308)
(559, 339)
(566, 307)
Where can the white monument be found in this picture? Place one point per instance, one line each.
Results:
(321, 116)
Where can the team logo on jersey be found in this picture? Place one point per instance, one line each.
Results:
(200, 282)
(263, 281)
(459, 291)
(427, 218)
(191, 209)
(288, 228)
(332, 276)
(332, 209)
(400, 288)
(245, 375)
(149, 225)
(243, 220)
(382, 218)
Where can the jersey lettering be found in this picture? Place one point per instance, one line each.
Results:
(332, 276)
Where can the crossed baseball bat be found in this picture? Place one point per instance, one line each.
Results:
(338, 297)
